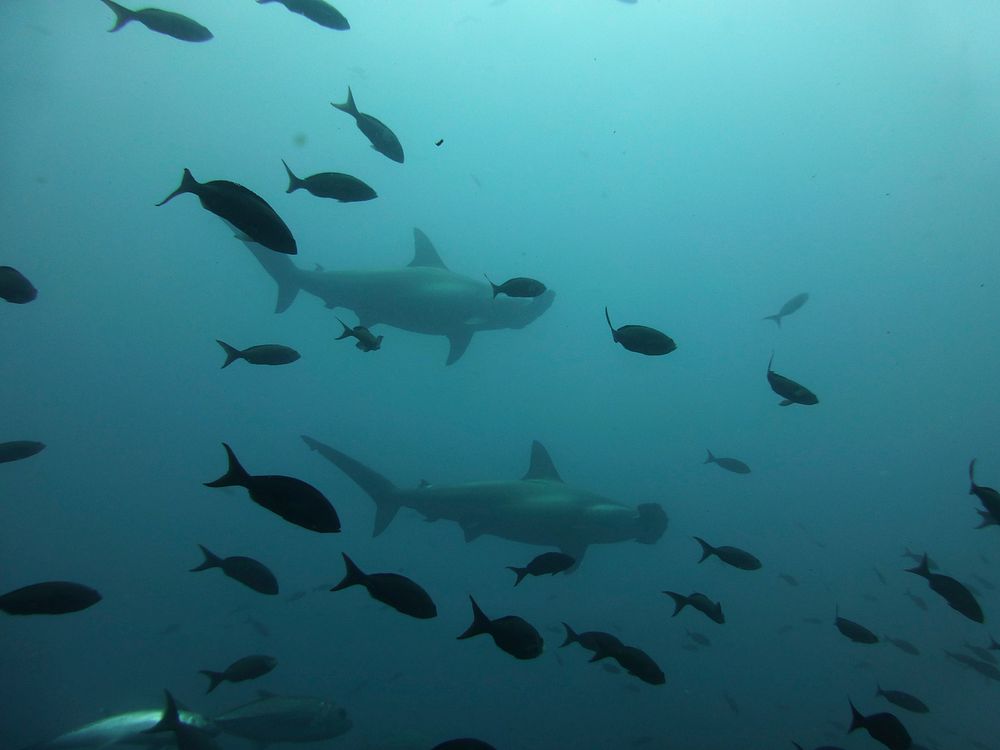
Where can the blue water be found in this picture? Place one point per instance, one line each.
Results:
(691, 166)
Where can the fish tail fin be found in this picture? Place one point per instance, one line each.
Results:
(857, 719)
(232, 353)
(214, 679)
(353, 576)
(122, 15)
(294, 183)
(170, 720)
(680, 601)
(480, 622)
(607, 317)
(520, 572)
(972, 480)
(349, 106)
(348, 331)
(710, 459)
(211, 560)
(235, 476)
(280, 268)
(571, 636)
(496, 289)
(188, 185)
(775, 318)
(923, 569)
(707, 550)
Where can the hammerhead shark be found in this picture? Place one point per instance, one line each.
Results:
(423, 297)
(537, 509)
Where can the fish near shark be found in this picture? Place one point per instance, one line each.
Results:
(537, 509)
(423, 297)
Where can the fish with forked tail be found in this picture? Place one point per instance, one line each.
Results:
(399, 592)
(247, 668)
(956, 594)
(734, 556)
(261, 354)
(336, 185)
(729, 464)
(788, 389)
(510, 633)
(161, 21)
(641, 339)
(367, 341)
(711, 610)
(377, 132)
(251, 573)
(788, 308)
(318, 11)
(547, 563)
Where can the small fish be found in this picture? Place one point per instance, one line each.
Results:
(639, 664)
(641, 339)
(917, 600)
(712, 610)
(984, 668)
(789, 579)
(317, 11)
(510, 633)
(49, 598)
(729, 464)
(14, 287)
(903, 645)
(734, 556)
(294, 500)
(789, 307)
(247, 668)
(17, 450)
(378, 133)
(883, 727)
(246, 570)
(240, 208)
(336, 185)
(957, 595)
(161, 21)
(547, 563)
(367, 341)
(399, 592)
(854, 631)
(464, 743)
(262, 354)
(601, 643)
(981, 653)
(519, 286)
(902, 699)
(701, 640)
(788, 389)
(988, 496)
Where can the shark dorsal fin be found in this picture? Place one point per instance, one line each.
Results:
(424, 254)
(541, 466)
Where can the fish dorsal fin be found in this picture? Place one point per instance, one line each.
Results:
(541, 466)
(424, 254)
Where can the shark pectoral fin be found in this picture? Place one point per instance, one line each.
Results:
(459, 342)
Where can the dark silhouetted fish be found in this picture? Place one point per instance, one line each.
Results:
(641, 339)
(639, 664)
(262, 354)
(984, 668)
(317, 11)
(601, 643)
(191, 732)
(14, 287)
(883, 727)
(519, 286)
(247, 668)
(367, 341)
(854, 631)
(712, 610)
(336, 185)
(788, 389)
(988, 496)
(729, 464)
(917, 600)
(382, 139)
(49, 598)
(902, 699)
(464, 743)
(284, 718)
(246, 570)
(160, 21)
(547, 563)
(240, 208)
(903, 645)
(788, 308)
(510, 633)
(958, 596)
(399, 592)
(294, 500)
(734, 556)
(16, 450)
(698, 638)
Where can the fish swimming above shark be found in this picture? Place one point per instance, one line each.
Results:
(537, 509)
(423, 297)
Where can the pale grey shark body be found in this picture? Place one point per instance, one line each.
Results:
(537, 509)
(127, 730)
(423, 297)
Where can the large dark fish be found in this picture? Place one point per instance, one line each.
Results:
(883, 727)
(284, 718)
(160, 21)
(240, 208)
(639, 664)
(510, 633)
(247, 668)
(902, 699)
(789, 307)
(903, 645)
(316, 11)
(16, 450)
(399, 592)
(519, 286)
(601, 643)
(788, 389)
(382, 139)
(464, 743)
(246, 570)
(641, 339)
(958, 596)
(49, 598)
(734, 556)
(988, 496)
(712, 610)
(854, 631)
(262, 354)
(547, 563)
(367, 341)
(294, 500)
(336, 185)
(188, 734)
(14, 287)
(729, 464)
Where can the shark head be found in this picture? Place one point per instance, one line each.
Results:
(652, 523)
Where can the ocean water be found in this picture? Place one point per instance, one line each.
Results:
(690, 165)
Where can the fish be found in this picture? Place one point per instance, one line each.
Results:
(336, 185)
(510, 633)
(18, 450)
(917, 600)
(731, 702)
(519, 286)
(983, 654)
(367, 341)
(788, 389)
(547, 563)
(399, 592)
(161, 21)
(247, 668)
(188, 736)
(641, 339)
(733, 556)
(883, 727)
(789, 579)
(984, 668)
(698, 638)
(285, 718)
(294, 500)
(425, 297)
(902, 699)
(954, 593)
(537, 509)
(729, 464)
(317, 11)
(788, 308)
(854, 631)
(903, 645)
(15, 288)
(242, 209)
(639, 664)
(49, 598)
(712, 610)
(377, 132)
(262, 354)
(246, 570)
(601, 643)
(988, 496)
(464, 743)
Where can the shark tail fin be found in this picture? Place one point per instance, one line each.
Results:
(214, 679)
(122, 15)
(232, 353)
(354, 576)
(211, 560)
(170, 720)
(235, 476)
(480, 622)
(280, 268)
(707, 550)
(519, 572)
